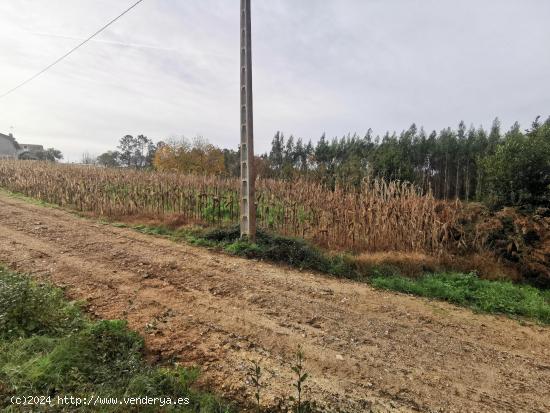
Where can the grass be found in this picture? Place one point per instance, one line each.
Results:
(501, 297)
(48, 347)
(28, 308)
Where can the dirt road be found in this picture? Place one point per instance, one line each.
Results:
(364, 348)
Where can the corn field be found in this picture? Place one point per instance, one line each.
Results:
(382, 216)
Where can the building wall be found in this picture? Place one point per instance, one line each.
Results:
(7, 148)
(31, 147)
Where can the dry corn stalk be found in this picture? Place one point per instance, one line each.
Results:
(381, 216)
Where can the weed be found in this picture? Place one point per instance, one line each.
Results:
(301, 377)
(295, 404)
(255, 376)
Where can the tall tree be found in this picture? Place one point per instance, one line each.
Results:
(136, 152)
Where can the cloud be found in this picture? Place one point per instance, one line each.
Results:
(171, 68)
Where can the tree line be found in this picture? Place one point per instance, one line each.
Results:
(472, 164)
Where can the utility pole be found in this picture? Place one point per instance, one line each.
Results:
(248, 175)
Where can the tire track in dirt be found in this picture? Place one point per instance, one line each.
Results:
(364, 347)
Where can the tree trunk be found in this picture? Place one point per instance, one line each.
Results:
(446, 187)
(467, 195)
(457, 187)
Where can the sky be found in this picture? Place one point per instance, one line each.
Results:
(171, 68)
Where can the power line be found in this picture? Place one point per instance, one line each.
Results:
(70, 51)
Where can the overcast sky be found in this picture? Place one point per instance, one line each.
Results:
(171, 67)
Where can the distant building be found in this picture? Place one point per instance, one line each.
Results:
(10, 149)
(31, 148)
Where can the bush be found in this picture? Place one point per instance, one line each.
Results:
(229, 234)
(28, 308)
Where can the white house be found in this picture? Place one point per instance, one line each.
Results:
(10, 149)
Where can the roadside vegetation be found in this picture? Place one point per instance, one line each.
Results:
(49, 347)
(500, 297)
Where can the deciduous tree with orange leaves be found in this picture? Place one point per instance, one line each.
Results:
(197, 157)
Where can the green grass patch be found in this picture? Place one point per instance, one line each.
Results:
(28, 308)
(48, 347)
(469, 291)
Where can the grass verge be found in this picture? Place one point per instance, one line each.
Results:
(468, 290)
(48, 347)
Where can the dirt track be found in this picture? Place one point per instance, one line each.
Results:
(364, 348)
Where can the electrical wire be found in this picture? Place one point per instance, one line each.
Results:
(74, 49)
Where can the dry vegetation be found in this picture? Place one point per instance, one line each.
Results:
(382, 216)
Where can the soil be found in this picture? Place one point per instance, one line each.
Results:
(366, 350)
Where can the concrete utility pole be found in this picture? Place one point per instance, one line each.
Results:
(248, 175)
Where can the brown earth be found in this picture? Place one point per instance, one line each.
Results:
(365, 349)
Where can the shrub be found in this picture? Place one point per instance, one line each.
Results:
(28, 307)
